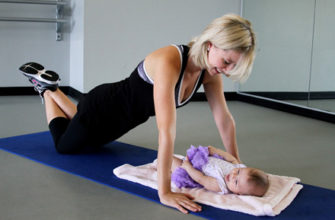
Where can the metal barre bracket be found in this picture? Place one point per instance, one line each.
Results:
(59, 20)
(35, 2)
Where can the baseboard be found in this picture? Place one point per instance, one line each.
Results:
(287, 107)
(230, 96)
(8, 91)
(282, 106)
(73, 93)
(19, 91)
(295, 95)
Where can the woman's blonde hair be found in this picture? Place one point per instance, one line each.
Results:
(229, 32)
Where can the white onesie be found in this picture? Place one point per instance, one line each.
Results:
(218, 169)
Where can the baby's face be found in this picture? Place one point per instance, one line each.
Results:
(237, 181)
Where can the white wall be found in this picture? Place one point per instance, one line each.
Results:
(107, 40)
(77, 45)
(323, 68)
(24, 42)
(118, 34)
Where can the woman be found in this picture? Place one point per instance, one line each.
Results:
(164, 81)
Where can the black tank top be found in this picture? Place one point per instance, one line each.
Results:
(183, 51)
(112, 109)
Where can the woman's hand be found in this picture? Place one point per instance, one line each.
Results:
(182, 202)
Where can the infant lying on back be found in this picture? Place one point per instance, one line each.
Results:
(218, 171)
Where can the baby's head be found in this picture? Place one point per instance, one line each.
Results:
(247, 181)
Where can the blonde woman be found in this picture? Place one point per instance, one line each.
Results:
(165, 80)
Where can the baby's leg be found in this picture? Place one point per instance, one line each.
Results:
(176, 162)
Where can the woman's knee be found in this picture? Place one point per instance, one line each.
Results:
(69, 135)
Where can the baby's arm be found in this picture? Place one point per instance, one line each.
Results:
(225, 155)
(210, 183)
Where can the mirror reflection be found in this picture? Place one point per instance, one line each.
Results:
(295, 51)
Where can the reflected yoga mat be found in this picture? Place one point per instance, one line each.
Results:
(311, 202)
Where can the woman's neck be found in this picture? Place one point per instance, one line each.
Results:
(191, 68)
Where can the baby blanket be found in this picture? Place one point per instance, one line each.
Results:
(280, 194)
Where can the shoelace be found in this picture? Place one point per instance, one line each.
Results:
(37, 88)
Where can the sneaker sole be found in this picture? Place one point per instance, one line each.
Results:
(42, 75)
(34, 65)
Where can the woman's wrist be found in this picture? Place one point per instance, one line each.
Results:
(164, 186)
(163, 192)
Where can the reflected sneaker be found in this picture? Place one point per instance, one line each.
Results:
(41, 79)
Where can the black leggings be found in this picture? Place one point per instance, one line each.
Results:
(70, 136)
(106, 113)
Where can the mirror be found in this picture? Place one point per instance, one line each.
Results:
(322, 81)
(295, 52)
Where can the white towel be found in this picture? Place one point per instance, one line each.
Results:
(281, 192)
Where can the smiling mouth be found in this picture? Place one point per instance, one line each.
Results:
(217, 70)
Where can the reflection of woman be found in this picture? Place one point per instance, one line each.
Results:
(166, 79)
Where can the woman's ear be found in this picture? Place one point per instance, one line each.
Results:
(209, 45)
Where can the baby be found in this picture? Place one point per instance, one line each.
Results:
(218, 171)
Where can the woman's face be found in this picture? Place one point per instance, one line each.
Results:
(221, 61)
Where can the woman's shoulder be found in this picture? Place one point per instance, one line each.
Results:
(165, 59)
(167, 53)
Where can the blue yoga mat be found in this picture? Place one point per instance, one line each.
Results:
(311, 203)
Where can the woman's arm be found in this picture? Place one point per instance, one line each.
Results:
(165, 64)
(224, 120)
(210, 183)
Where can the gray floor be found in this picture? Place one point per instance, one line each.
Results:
(277, 142)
